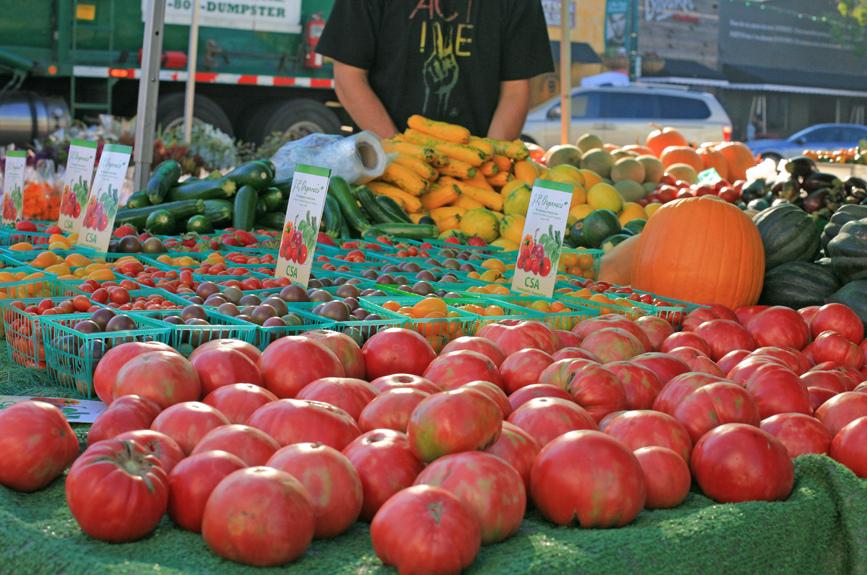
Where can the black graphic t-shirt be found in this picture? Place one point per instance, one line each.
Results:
(443, 59)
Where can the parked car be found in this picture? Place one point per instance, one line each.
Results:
(622, 115)
(821, 137)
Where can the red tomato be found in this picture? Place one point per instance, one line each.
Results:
(248, 349)
(723, 336)
(612, 344)
(126, 413)
(584, 328)
(489, 487)
(696, 360)
(492, 392)
(222, 365)
(840, 318)
(117, 491)
(685, 339)
(454, 421)
(832, 346)
(452, 370)
(799, 433)
(253, 446)
(387, 382)
(188, 422)
(191, 483)
(777, 389)
(396, 350)
(238, 401)
(426, 529)
(385, 465)
(478, 344)
(841, 410)
(259, 516)
(114, 359)
(310, 360)
(848, 447)
(646, 428)
(166, 377)
(331, 481)
(640, 383)
(594, 387)
(666, 475)
(523, 368)
(738, 462)
(714, 404)
(344, 347)
(350, 395)
(588, 476)
(525, 394)
(36, 445)
(547, 418)
(778, 326)
(521, 335)
(391, 409)
(517, 448)
(300, 421)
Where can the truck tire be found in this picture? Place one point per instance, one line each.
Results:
(170, 113)
(294, 119)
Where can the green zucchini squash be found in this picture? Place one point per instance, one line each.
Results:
(348, 205)
(391, 206)
(138, 200)
(368, 202)
(331, 217)
(219, 213)
(404, 230)
(244, 212)
(137, 217)
(164, 177)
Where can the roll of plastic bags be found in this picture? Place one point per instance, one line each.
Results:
(357, 159)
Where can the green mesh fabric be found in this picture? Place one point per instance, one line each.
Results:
(821, 528)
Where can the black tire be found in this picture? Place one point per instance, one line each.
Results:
(170, 113)
(293, 120)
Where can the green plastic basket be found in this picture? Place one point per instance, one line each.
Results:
(636, 310)
(308, 321)
(186, 338)
(360, 331)
(438, 331)
(580, 263)
(520, 307)
(72, 356)
(24, 344)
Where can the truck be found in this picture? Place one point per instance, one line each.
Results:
(256, 71)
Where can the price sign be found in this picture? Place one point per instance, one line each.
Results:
(101, 209)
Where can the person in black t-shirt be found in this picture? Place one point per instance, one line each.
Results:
(467, 62)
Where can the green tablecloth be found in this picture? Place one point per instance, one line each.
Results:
(821, 528)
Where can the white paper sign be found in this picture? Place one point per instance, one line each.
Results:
(259, 15)
(298, 241)
(76, 185)
(13, 186)
(542, 238)
(75, 410)
(99, 213)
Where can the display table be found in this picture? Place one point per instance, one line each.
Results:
(821, 528)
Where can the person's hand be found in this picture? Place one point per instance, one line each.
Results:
(440, 72)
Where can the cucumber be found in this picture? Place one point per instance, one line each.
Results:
(244, 215)
(219, 213)
(348, 206)
(160, 223)
(404, 230)
(331, 217)
(137, 217)
(200, 224)
(253, 174)
(271, 198)
(163, 178)
(393, 208)
(273, 220)
(138, 200)
(373, 209)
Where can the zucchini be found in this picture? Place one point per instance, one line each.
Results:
(163, 178)
(273, 220)
(261, 209)
(137, 217)
(348, 206)
(368, 202)
(200, 224)
(331, 217)
(404, 230)
(284, 186)
(271, 198)
(391, 206)
(253, 174)
(219, 213)
(138, 200)
(244, 215)
(256, 174)
(160, 223)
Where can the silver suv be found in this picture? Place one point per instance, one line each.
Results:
(621, 115)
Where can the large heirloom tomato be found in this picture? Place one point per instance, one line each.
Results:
(188, 422)
(589, 478)
(303, 421)
(594, 387)
(738, 462)
(36, 445)
(164, 377)
(511, 336)
(396, 350)
(117, 491)
(517, 448)
(452, 370)
(126, 413)
(291, 362)
(426, 530)
(250, 445)
(258, 516)
(191, 483)
(647, 428)
(115, 358)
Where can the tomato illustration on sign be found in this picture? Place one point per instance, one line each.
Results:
(536, 255)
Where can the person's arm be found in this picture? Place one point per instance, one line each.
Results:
(511, 112)
(356, 95)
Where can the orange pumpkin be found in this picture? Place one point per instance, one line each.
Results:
(739, 159)
(702, 250)
(714, 159)
(681, 155)
(638, 149)
(661, 138)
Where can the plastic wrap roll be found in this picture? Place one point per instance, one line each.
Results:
(357, 159)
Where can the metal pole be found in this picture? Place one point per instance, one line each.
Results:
(632, 40)
(191, 74)
(565, 72)
(148, 91)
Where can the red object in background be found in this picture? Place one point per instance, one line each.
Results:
(169, 59)
(312, 31)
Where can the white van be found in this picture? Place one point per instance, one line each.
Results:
(621, 115)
